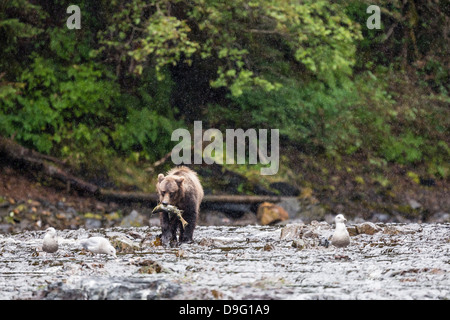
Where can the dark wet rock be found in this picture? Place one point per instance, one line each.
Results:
(248, 218)
(429, 182)
(117, 288)
(260, 190)
(233, 210)
(323, 241)
(217, 218)
(269, 213)
(71, 211)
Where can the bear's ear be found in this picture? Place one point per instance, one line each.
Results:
(160, 177)
(179, 180)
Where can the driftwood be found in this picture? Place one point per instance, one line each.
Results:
(37, 162)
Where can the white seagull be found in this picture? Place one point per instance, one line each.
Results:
(98, 245)
(340, 238)
(50, 243)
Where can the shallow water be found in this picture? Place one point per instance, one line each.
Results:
(403, 261)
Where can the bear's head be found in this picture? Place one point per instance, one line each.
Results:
(170, 189)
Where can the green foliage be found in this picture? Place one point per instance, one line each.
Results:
(148, 122)
(403, 149)
(318, 33)
(413, 35)
(311, 115)
(310, 68)
(72, 106)
(140, 32)
(60, 106)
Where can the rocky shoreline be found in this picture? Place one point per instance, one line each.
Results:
(19, 215)
(385, 261)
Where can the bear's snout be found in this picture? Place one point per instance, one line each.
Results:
(165, 199)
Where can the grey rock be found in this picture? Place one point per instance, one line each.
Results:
(91, 223)
(134, 219)
(414, 204)
(312, 212)
(291, 205)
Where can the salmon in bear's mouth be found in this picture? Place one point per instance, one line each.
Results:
(171, 210)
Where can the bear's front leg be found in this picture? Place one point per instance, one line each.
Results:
(187, 234)
(166, 235)
(191, 218)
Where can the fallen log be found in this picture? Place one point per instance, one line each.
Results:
(35, 161)
(120, 196)
(231, 198)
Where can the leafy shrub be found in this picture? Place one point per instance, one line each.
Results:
(311, 115)
(60, 104)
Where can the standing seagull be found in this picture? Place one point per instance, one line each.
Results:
(98, 245)
(340, 238)
(50, 243)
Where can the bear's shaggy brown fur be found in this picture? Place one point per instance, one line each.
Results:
(180, 188)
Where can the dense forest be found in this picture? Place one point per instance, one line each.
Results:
(107, 96)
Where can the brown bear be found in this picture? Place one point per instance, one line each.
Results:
(180, 188)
